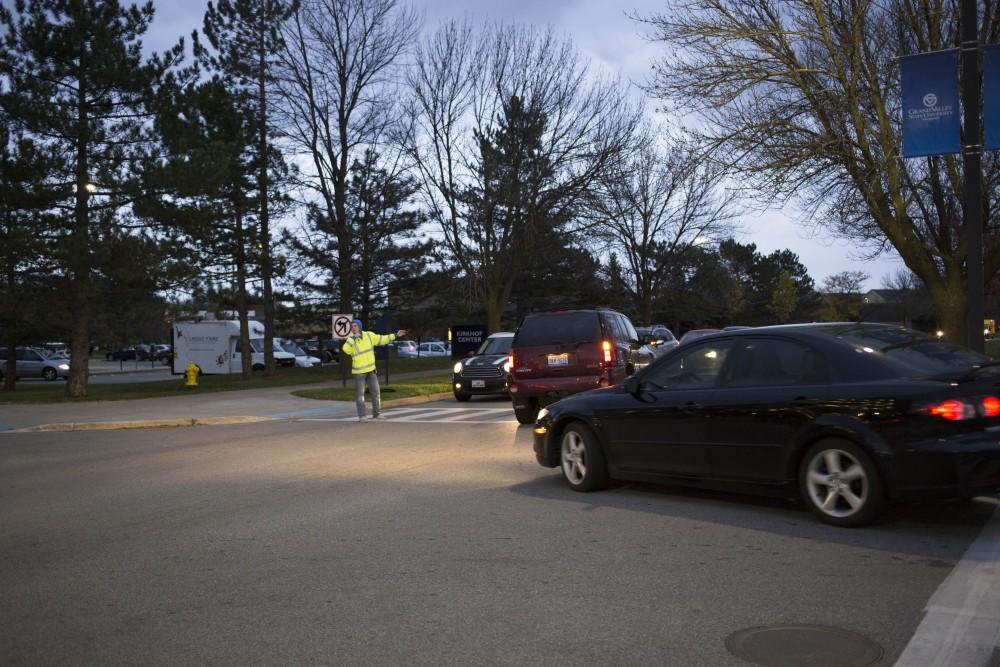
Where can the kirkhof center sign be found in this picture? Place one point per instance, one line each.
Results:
(931, 120)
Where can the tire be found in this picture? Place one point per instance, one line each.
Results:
(257, 367)
(461, 396)
(840, 484)
(49, 374)
(581, 459)
(527, 413)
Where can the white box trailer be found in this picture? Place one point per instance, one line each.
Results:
(214, 345)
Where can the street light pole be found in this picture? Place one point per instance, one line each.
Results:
(972, 148)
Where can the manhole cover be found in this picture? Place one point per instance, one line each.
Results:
(803, 646)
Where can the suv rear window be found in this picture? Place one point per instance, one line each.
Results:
(558, 328)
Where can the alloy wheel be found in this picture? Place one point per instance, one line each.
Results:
(837, 483)
(574, 457)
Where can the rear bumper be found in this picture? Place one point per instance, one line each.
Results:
(552, 389)
(960, 466)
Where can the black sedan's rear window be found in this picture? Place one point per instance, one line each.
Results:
(915, 350)
(558, 328)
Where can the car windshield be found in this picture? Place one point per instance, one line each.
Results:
(498, 345)
(257, 344)
(555, 328)
(916, 350)
(292, 348)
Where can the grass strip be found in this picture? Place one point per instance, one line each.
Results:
(398, 389)
(54, 392)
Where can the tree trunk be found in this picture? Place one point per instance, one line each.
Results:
(246, 361)
(496, 303)
(646, 308)
(10, 365)
(949, 305)
(265, 225)
(79, 367)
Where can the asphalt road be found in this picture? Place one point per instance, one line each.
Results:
(418, 543)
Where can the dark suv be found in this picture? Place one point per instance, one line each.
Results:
(569, 351)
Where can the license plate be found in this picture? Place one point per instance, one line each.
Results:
(559, 359)
(479, 384)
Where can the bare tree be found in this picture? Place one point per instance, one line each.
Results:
(842, 293)
(472, 88)
(907, 287)
(336, 99)
(802, 99)
(653, 207)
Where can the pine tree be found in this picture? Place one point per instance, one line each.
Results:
(77, 80)
(246, 35)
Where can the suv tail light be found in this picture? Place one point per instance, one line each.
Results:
(608, 352)
(510, 362)
(959, 409)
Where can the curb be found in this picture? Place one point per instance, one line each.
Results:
(416, 400)
(145, 423)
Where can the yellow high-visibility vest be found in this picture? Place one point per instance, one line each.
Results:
(362, 350)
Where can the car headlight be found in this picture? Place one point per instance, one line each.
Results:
(457, 367)
(542, 414)
(64, 367)
(506, 365)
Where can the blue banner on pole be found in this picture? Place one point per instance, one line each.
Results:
(991, 97)
(931, 121)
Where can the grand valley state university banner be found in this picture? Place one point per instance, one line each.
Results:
(931, 121)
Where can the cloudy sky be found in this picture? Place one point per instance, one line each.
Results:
(604, 34)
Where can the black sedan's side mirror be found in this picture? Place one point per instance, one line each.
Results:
(631, 385)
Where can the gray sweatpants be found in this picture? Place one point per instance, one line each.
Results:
(359, 392)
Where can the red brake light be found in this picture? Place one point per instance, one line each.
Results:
(951, 410)
(606, 346)
(510, 360)
(991, 406)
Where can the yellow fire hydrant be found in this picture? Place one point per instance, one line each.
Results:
(191, 375)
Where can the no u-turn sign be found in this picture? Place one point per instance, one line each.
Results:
(342, 325)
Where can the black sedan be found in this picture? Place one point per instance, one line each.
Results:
(484, 373)
(848, 417)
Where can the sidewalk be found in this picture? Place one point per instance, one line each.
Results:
(225, 407)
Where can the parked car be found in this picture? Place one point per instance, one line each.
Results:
(162, 352)
(330, 352)
(565, 352)
(34, 362)
(657, 340)
(302, 360)
(848, 417)
(484, 373)
(433, 350)
(695, 334)
(405, 348)
(129, 353)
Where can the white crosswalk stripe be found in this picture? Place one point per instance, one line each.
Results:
(426, 414)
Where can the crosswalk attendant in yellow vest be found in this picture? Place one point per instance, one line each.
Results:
(360, 345)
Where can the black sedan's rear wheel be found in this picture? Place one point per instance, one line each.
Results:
(840, 484)
(581, 459)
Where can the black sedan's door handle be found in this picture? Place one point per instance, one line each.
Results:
(691, 406)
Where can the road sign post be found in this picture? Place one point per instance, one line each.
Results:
(340, 327)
